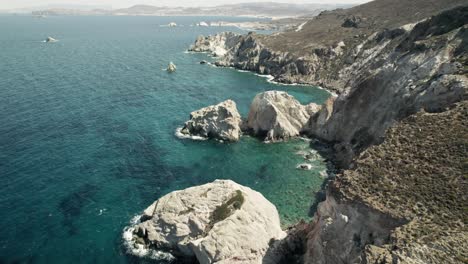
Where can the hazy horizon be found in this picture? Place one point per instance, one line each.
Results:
(19, 4)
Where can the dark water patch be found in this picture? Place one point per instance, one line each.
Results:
(261, 172)
(71, 206)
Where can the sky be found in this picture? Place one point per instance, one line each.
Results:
(13, 4)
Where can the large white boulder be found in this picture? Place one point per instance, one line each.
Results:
(276, 115)
(219, 222)
(221, 121)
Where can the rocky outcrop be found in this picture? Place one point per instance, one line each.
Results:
(400, 198)
(217, 45)
(382, 76)
(221, 121)
(219, 222)
(171, 67)
(405, 70)
(403, 201)
(276, 115)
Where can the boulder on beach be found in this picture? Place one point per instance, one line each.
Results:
(276, 115)
(221, 121)
(219, 222)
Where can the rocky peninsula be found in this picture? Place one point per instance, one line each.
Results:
(397, 127)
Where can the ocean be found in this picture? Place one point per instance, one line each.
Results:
(87, 134)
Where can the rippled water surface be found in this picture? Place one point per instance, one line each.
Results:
(87, 133)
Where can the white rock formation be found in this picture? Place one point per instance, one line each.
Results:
(221, 121)
(50, 39)
(171, 67)
(218, 45)
(278, 115)
(219, 222)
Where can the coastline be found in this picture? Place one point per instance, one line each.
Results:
(374, 95)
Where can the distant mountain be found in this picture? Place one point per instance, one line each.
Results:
(73, 8)
(269, 9)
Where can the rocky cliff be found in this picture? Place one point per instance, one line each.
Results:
(276, 115)
(404, 202)
(381, 75)
(399, 135)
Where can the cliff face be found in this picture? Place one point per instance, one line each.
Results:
(397, 73)
(400, 198)
(322, 50)
(404, 202)
(385, 77)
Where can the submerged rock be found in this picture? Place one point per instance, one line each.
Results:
(219, 222)
(171, 67)
(304, 166)
(277, 115)
(221, 121)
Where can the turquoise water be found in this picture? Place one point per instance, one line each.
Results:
(87, 133)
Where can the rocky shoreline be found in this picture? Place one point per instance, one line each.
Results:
(273, 116)
(418, 66)
(397, 128)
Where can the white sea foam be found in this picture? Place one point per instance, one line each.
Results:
(179, 134)
(139, 250)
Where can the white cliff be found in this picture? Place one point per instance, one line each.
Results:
(218, 45)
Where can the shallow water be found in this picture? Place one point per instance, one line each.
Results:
(87, 133)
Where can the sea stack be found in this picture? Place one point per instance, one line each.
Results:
(219, 222)
(221, 121)
(276, 115)
(171, 67)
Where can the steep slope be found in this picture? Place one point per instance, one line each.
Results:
(398, 127)
(406, 200)
(389, 75)
(319, 52)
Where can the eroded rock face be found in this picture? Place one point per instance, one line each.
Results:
(395, 74)
(221, 121)
(219, 222)
(276, 115)
(384, 211)
(218, 45)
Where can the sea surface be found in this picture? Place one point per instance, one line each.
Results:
(87, 133)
